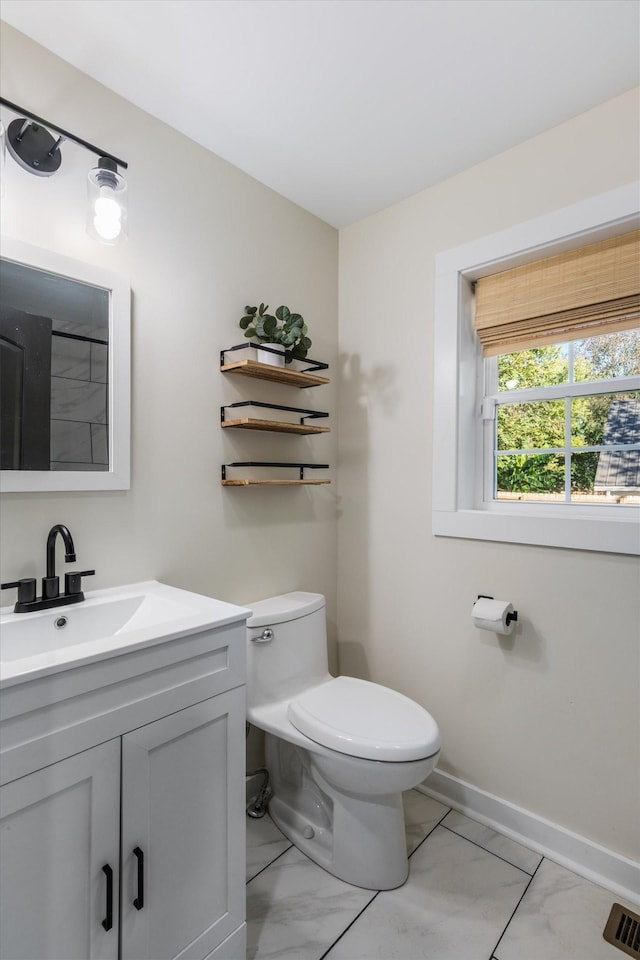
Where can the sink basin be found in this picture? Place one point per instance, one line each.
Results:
(106, 622)
(26, 635)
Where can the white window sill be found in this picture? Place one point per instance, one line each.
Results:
(579, 532)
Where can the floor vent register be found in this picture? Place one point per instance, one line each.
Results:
(623, 930)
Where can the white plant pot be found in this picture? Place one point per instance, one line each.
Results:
(273, 359)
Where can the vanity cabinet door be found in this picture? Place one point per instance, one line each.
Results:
(183, 861)
(59, 827)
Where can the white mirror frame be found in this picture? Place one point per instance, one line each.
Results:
(117, 477)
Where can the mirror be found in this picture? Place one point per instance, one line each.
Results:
(64, 373)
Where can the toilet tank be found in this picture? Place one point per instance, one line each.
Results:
(295, 658)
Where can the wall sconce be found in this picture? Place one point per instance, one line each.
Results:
(32, 146)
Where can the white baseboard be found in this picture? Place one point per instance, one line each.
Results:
(576, 853)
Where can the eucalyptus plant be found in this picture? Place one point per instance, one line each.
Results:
(285, 328)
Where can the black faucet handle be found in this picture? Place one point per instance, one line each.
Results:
(73, 581)
(26, 589)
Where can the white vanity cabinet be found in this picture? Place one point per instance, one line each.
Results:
(182, 885)
(122, 813)
(58, 828)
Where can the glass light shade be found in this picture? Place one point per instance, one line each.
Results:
(107, 203)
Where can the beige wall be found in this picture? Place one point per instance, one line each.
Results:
(205, 239)
(548, 719)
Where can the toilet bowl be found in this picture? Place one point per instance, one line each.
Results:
(340, 751)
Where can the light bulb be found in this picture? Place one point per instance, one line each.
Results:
(107, 208)
(107, 229)
(107, 218)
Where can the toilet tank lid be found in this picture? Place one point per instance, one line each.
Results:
(287, 606)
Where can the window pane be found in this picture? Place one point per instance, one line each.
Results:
(536, 477)
(606, 477)
(539, 367)
(583, 473)
(608, 418)
(525, 426)
(612, 355)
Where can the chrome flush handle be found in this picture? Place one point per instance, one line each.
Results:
(265, 637)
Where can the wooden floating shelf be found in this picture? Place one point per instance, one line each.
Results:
(271, 483)
(274, 426)
(264, 371)
(292, 378)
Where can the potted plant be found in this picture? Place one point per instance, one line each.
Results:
(286, 330)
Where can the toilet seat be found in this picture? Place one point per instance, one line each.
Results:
(367, 720)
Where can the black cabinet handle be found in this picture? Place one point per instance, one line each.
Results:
(107, 923)
(139, 900)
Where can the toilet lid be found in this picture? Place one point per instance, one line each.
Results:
(365, 720)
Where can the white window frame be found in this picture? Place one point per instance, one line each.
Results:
(459, 509)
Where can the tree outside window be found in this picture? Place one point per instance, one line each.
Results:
(558, 448)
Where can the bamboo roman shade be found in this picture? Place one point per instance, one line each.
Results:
(580, 293)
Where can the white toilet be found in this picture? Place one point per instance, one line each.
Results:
(339, 751)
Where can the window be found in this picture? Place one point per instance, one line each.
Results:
(561, 422)
(538, 441)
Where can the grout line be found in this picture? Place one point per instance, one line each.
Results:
(494, 952)
(348, 927)
(497, 855)
(426, 837)
(357, 917)
(266, 867)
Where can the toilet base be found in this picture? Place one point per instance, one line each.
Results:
(360, 840)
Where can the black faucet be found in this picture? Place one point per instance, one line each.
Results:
(51, 583)
(51, 596)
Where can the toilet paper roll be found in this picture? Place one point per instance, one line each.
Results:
(492, 615)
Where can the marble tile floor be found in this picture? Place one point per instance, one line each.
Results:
(472, 894)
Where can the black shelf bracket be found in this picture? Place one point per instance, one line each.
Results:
(307, 414)
(315, 364)
(267, 463)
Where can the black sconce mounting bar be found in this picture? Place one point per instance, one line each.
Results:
(64, 134)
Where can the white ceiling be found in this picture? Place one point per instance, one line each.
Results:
(347, 106)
